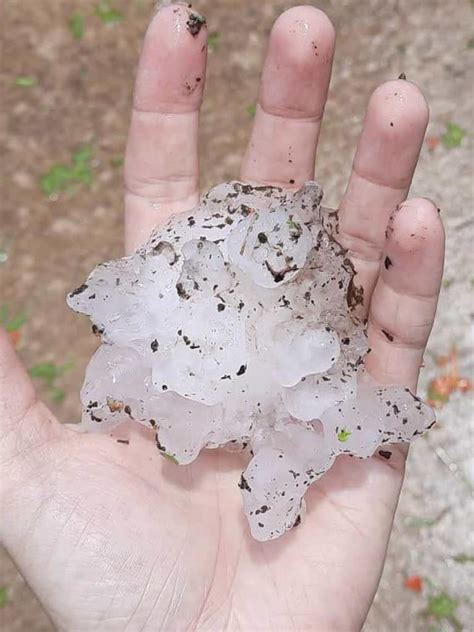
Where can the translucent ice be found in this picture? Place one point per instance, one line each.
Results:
(236, 325)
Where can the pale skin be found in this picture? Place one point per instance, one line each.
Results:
(111, 536)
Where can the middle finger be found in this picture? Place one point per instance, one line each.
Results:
(293, 93)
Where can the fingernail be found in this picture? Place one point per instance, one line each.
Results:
(161, 4)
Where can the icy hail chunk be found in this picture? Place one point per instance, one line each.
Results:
(237, 326)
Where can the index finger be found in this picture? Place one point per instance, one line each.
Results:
(161, 163)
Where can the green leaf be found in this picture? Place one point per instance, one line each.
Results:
(49, 371)
(11, 323)
(453, 136)
(46, 371)
(3, 596)
(3, 255)
(82, 170)
(169, 457)
(420, 523)
(343, 435)
(26, 81)
(61, 177)
(57, 395)
(77, 25)
(116, 161)
(434, 395)
(16, 322)
(470, 43)
(213, 40)
(463, 558)
(442, 606)
(107, 13)
(292, 224)
(252, 109)
(58, 178)
(82, 156)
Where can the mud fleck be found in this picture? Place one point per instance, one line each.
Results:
(195, 23)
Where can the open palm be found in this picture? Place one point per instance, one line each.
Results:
(112, 537)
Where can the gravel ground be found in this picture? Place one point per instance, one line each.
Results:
(47, 245)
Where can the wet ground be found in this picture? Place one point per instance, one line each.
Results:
(61, 93)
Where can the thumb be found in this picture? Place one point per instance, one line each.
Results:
(26, 424)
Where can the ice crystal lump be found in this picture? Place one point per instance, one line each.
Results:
(236, 326)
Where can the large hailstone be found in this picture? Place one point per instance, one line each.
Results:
(236, 326)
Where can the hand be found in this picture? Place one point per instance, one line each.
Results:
(112, 537)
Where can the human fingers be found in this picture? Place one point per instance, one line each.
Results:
(293, 93)
(26, 425)
(161, 165)
(404, 301)
(384, 163)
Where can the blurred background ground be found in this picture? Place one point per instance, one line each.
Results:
(66, 83)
